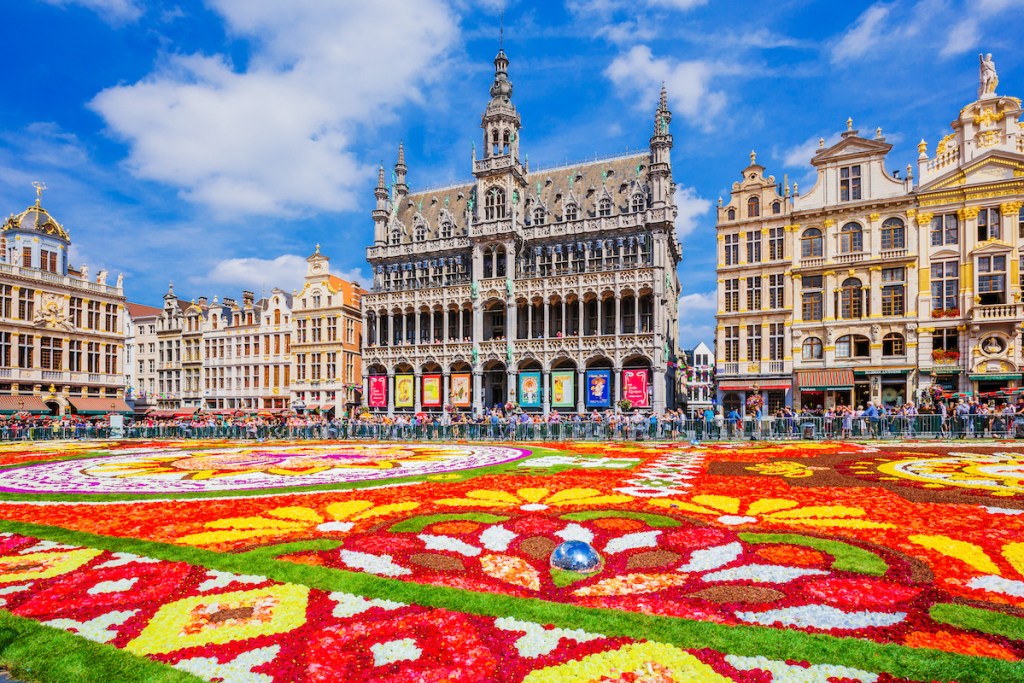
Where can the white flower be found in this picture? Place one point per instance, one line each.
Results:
(223, 579)
(762, 573)
(395, 651)
(349, 605)
(642, 539)
(790, 673)
(98, 629)
(119, 586)
(575, 532)
(712, 558)
(497, 538)
(448, 543)
(823, 617)
(997, 584)
(237, 670)
(382, 565)
(538, 641)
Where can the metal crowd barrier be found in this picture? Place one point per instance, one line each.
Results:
(768, 429)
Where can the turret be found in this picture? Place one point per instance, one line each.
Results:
(400, 169)
(661, 154)
(501, 120)
(380, 211)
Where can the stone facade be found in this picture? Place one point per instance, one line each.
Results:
(141, 356)
(524, 279)
(62, 333)
(871, 287)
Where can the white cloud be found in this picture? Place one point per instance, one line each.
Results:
(690, 207)
(799, 156)
(677, 4)
(638, 72)
(865, 34)
(698, 302)
(257, 274)
(115, 11)
(697, 319)
(275, 137)
(962, 37)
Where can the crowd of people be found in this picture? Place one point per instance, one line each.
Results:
(942, 418)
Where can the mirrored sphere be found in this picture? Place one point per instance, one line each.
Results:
(576, 556)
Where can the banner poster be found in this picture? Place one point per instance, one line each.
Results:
(431, 391)
(599, 388)
(460, 390)
(634, 387)
(404, 391)
(378, 391)
(562, 385)
(529, 389)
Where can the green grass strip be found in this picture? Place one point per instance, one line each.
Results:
(915, 663)
(986, 621)
(278, 549)
(847, 558)
(34, 652)
(651, 520)
(421, 522)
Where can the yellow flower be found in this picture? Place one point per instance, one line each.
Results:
(777, 510)
(286, 521)
(531, 499)
(971, 554)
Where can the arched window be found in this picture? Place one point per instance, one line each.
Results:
(812, 349)
(853, 346)
(446, 229)
(489, 262)
(776, 207)
(538, 215)
(638, 203)
(851, 239)
(420, 234)
(731, 214)
(604, 207)
(812, 245)
(894, 234)
(277, 317)
(753, 207)
(893, 344)
(851, 299)
(494, 204)
(571, 212)
(396, 236)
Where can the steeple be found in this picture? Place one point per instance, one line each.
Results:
(661, 154)
(400, 170)
(380, 211)
(501, 120)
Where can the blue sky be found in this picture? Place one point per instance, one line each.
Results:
(215, 142)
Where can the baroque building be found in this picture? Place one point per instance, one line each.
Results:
(551, 288)
(871, 287)
(62, 334)
(140, 356)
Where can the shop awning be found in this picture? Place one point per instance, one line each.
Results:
(996, 378)
(946, 370)
(327, 407)
(311, 407)
(99, 406)
(22, 404)
(882, 371)
(825, 379)
(774, 385)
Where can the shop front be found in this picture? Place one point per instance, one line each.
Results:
(996, 388)
(886, 387)
(823, 388)
(774, 393)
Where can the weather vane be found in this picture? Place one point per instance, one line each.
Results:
(39, 190)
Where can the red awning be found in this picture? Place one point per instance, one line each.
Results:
(825, 379)
(327, 407)
(310, 407)
(22, 404)
(99, 406)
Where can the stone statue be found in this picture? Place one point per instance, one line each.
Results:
(120, 281)
(474, 291)
(988, 79)
(101, 277)
(992, 346)
(476, 355)
(508, 286)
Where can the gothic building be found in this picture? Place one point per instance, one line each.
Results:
(551, 288)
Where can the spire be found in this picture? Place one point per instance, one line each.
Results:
(400, 169)
(502, 87)
(662, 116)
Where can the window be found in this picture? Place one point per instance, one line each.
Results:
(992, 279)
(754, 246)
(849, 183)
(853, 346)
(604, 207)
(332, 329)
(732, 295)
(851, 238)
(92, 315)
(332, 365)
(893, 344)
(26, 257)
(894, 234)
(50, 353)
(732, 344)
(731, 213)
(6, 301)
(396, 236)
(638, 203)
(110, 361)
(538, 216)
(989, 227)
(754, 293)
(775, 243)
(812, 305)
(315, 360)
(753, 207)
(26, 351)
(5, 349)
(300, 366)
(75, 311)
(776, 290)
(446, 229)
(947, 339)
(75, 357)
(812, 244)
(732, 250)
(1020, 222)
(945, 230)
(48, 260)
(494, 204)
(945, 279)
(851, 299)
(776, 207)
(894, 291)
(110, 317)
(571, 212)
(754, 342)
(420, 232)
(27, 304)
(776, 347)
(812, 349)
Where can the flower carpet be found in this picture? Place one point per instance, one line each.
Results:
(259, 563)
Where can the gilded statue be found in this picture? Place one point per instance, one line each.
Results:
(988, 78)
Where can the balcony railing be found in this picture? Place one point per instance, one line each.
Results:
(850, 258)
(996, 312)
(812, 262)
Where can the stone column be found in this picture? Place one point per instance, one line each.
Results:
(580, 319)
(564, 325)
(478, 390)
(417, 322)
(529, 320)
(658, 379)
(600, 316)
(546, 403)
(547, 319)
(581, 403)
(618, 314)
(445, 400)
(391, 392)
(510, 385)
(366, 390)
(417, 382)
